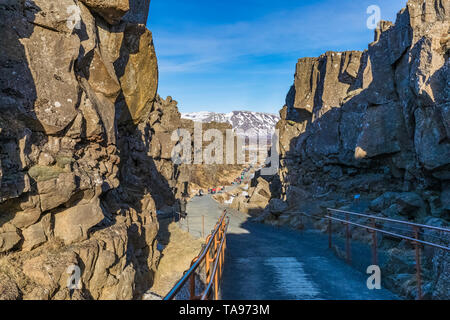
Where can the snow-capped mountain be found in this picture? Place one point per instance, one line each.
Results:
(251, 122)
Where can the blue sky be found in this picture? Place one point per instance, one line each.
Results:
(225, 55)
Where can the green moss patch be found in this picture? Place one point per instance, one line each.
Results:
(63, 161)
(44, 173)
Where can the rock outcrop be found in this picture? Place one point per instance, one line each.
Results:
(256, 196)
(366, 123)
(84, 160)
(85, 150)
(373, 125)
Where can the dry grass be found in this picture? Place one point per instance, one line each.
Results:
(212, 176)
(176, 258)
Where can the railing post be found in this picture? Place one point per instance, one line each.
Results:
(192, 286)
(418, 264)
(207, 264)
(223, 250)
(216, 286)
(203, 226)
(219, 257)
(223, 254)
(347, 237)
(216, 242)
(330, 231)
(374, 244)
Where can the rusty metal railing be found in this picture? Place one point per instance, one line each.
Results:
(213, 257)
(374, 229)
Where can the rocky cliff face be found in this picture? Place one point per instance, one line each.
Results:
(375, 125)
(374, 121)
(84, 163)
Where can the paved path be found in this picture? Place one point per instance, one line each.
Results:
(264, 262)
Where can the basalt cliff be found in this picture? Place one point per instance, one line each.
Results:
(370, 131)
(367, 123)
(85, 150)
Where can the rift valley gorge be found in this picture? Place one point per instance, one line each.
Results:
(86, 145)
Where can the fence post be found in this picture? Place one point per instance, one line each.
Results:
(192, 286)
(223, 249)
(418, 264)
(330, 230)
(216, 243)
(219, 265)
(347, 237)
(207, 262)
(374, 244)
(216, 286)
(203, 226)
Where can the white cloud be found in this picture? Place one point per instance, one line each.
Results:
(198, 48)
(251, 63)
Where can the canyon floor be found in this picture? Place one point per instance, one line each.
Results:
(270, 263)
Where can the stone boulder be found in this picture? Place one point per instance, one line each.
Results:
(111, 11)
(393, 204)
(277, 206)
(73, 224)
(37, 234)
(383, 132)
(410, 204)
(9, 238)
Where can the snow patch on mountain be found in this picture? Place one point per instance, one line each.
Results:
(253, 123)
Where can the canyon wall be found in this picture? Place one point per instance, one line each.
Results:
(364, 123)
(370, 132)
(210, 175)
(84, 149)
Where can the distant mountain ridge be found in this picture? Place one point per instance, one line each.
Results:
(251, 122)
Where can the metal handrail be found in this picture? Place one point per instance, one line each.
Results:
(391, 220)
(197, 261)
(391, 234)
(373, 229)
(214, 276)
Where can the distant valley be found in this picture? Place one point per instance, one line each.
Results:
(250, 122)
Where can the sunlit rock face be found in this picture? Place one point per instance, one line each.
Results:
(85, 150)
(81, 176)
